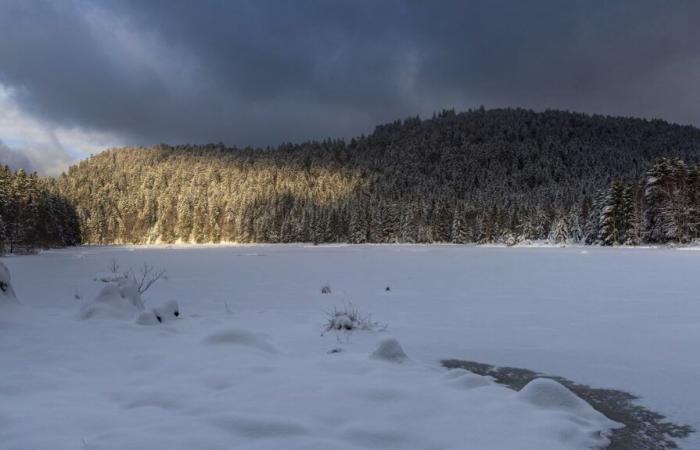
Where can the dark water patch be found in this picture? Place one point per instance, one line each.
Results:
(644, 429)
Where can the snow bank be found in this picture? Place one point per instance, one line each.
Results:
(116, 300)
(7, 293)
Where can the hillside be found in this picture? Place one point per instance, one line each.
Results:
(500, 175)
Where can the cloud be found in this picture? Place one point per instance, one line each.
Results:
(263, 72)
(44, 146)
(15, 160)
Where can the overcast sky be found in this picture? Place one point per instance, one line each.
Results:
(77, 77)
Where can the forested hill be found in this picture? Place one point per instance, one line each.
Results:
(502, 175)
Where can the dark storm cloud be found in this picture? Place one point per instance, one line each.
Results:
(261, 72)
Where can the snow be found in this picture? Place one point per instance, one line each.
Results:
(390, 350)
(551, 397)
(549, 394)
(109, 276)
(245, 365)
(241, 337)
(164, 313)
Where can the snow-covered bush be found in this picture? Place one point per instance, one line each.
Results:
(349, 318)
(7, 294)
(117, 300)
(163, 313)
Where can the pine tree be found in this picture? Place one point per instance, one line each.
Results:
(630, 217)
(459, 230)
(655, 199)
(576, 234)
(560, 232)
(611, 229)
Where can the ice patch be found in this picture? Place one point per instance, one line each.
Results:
(390, 350)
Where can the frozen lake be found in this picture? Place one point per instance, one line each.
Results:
(627, 319)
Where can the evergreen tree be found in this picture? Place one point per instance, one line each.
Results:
(630, 216)
(560, 231)
(611, 228)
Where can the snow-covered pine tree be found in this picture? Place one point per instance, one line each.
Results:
(575, 228)
(610, 231)
(459, 229)
(655, 199)
(560, 231)
(630, 216)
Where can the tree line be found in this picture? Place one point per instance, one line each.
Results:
(32, 215)
(663, 208)
(481, 176)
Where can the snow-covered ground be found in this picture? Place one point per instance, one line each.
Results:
(245, 364)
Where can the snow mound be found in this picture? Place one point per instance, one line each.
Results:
(241, 337)
(163, 313)
(587, 426)
(116, 300)
(390, 350)
(549, 394)
(7, 294)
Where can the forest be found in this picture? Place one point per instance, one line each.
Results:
(482, 176)
(32, 215)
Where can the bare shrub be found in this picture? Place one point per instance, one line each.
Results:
(349, 318)
(142, 279)
(146, 277)
(114, 266)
